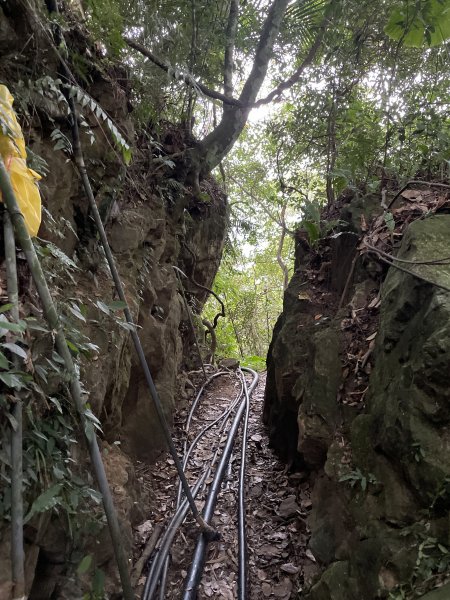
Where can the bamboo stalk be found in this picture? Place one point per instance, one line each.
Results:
(81, 166)
(17, 548)
(60, 340)
(191, 322)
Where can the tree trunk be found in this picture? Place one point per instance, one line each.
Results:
(215, 146)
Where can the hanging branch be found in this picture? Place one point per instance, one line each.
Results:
(227, 97)
(54, 323)
(191, 322)
(186, 78)
(17, 549)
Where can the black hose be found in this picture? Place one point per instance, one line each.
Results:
(242, 538)
(159, 566)
(197, 565)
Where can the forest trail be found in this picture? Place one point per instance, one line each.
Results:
(277, 506)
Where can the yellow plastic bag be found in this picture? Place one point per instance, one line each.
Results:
(23, 179)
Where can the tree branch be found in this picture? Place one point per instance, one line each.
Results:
(280, 260)
(257, 201)
(188, 79)
(228, 67)
(227, 97)
(285, 85)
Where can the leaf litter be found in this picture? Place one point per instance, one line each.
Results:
(277, 503)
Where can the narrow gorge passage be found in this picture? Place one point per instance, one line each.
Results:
(277, 506)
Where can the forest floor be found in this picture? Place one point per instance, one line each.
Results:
(278, 503)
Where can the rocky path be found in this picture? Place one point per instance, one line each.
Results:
(277, 509)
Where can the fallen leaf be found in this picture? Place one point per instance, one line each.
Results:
(266, 589)
(304, 296)
(412, 194)
(290, 569)
(283, 589)
(261, 575)
(310, 555)
(288, 507)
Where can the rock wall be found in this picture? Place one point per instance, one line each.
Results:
(153, 224)
(368, 415)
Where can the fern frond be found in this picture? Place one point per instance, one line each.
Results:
(50, 87)
(304, 15)
(86, 101)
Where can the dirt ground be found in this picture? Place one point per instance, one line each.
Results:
(277, 503)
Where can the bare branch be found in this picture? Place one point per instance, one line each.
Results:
(228, 68)
(280, 260)
(285, 85)
(227, 97)
(188, 79)
(276, 219)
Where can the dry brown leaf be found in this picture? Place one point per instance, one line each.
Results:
(412, 194)
(290, 568)
(310, 555)
(304, 296)
(288, 507)
(266, 589)
(283, 589)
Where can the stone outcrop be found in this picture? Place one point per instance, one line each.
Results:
(153, 224)
(379, 521)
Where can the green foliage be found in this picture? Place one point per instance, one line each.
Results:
(257, 363)
(421, 23)
(356, 477)
(54, 90)
(432, 562)
(106, 23)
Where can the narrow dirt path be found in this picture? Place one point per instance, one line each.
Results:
(277, 508)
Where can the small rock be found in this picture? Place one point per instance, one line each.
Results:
(229, 363)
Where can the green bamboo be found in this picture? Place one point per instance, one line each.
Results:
(79, 161)
(17, 549)
(191, 322)
(51, 315)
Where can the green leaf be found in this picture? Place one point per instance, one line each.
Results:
(6, 307)
(417, 24)
(4, 362)
(84, 565)
(313, 232)
(72, 347)
(98, 583)
(15, 349)
(45, 501)
(103, 307)
(5, 325)
(33, 324)
(389, 220)
(13, 381)
(57, 403)
(127, 326)
(75, 310)
(117, 305)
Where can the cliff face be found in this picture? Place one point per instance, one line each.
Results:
(153, 224)
(361, 394)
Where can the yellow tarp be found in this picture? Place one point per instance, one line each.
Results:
(23, 179)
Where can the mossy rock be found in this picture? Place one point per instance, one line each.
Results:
(442, 593)
(335, 584)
